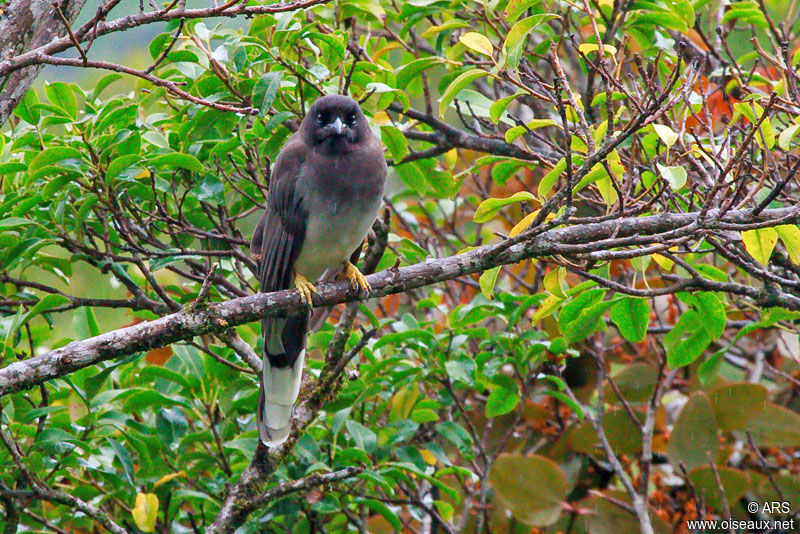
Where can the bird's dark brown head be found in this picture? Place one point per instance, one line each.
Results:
(334, 123)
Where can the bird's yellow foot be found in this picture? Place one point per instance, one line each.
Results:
(357, 280)
(305, 288)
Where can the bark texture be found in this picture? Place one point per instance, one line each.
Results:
(24, 26)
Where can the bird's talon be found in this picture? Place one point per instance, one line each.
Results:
(305, 288)
(357, 279)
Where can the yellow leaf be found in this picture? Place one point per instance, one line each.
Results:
(428, 456)
(167, 478)
(445, 509)
(609, 3)
(555, 282)
(586, 48)
(434, 30)
(698, 153)
(666, 134)
(523, 224)
(381, 118)
(477, 43)
(487, 281)
(548, 306)
(759, 243)
(145, 511)
(607, 190)
(388, 48)
(790, 235)
(663, 262)
(451, 157)
(144, 174)
(402, 403)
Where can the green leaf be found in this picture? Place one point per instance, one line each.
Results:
(774, 426)
(517, 36)
(395, 141)
(413, 177)
(694, 441)
(663, 19)
(211, 190)
(333, 41)
(549, 179)
(501, 401)
(14, 222)
(60, 94)
(424, 415)
(512, 133)
(786, 136)
(178, 160)
(364, 438)
(23, 247)
(27, 109)
(461, 370)
(746, 12)
(636, 383)
(608, 517)
(631, 316)
(104, 82)
(457, 85)
(735, 484)
(686, 341)
(735, 404)
(458, 436)
(532, 487)
(265, 90)
(119, 164)
(489, 207)
(698, 326)
(623, 434)
(51, 156)
(385, 511)
(498, 107)
(124, 458)
(91, 322)
(515, 8)
(588, 320)
(411, 71)
(47, 303)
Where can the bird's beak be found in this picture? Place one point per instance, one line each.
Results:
(338, 126)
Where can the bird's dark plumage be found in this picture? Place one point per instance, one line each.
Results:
(325, 191)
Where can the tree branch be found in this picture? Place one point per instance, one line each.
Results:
(219, 317)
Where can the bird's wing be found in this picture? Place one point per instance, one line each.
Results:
(279, 235)
(276, 242)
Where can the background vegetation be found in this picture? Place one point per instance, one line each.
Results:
(587, 271)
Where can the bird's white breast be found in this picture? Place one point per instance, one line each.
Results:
(334, 229)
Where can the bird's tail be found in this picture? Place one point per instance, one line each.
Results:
(284, 354)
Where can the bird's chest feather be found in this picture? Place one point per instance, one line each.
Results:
(342, 204)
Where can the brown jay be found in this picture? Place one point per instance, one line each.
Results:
(325, 191)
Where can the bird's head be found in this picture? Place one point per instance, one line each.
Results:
(335, 122)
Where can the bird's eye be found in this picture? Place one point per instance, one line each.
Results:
(320, 118)
(351, 119)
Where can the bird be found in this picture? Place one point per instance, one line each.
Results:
(325, 190)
